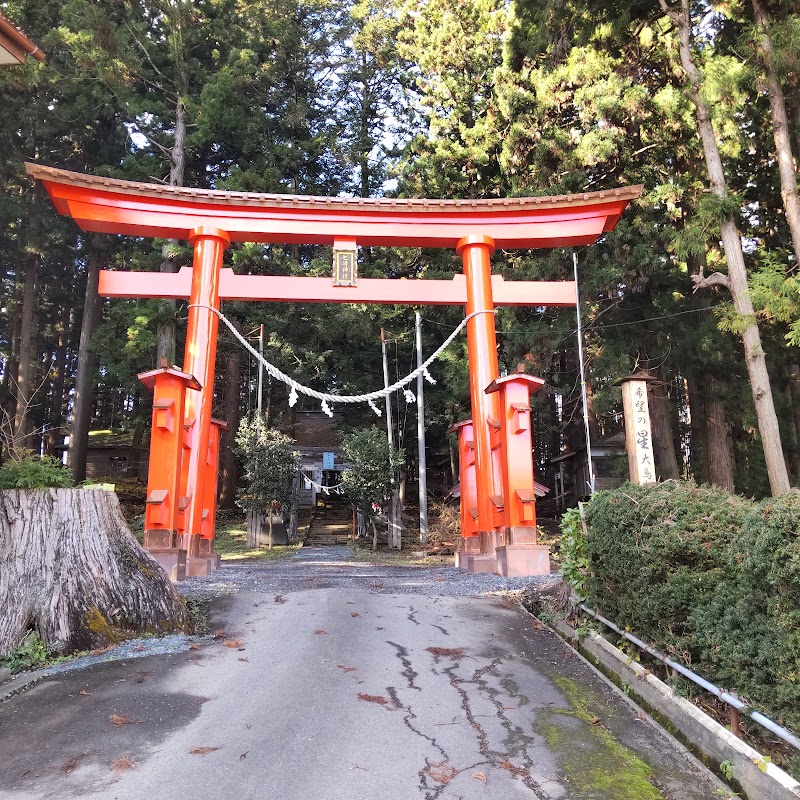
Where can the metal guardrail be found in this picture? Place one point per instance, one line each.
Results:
(731, 699)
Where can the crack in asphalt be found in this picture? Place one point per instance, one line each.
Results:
(435, 776)
(431, 767)
(408, 671)
(494, 758)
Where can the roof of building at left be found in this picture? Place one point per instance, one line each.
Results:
(15, 46)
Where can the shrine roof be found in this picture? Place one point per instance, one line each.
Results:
(109, 205)
(217, 196)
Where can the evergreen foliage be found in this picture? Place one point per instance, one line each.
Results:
(373, 464)
(711, 578)
(269, 463)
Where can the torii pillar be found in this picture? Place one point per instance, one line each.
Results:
(475, 252)
(199, 359)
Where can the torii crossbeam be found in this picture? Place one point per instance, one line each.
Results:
(497, 499)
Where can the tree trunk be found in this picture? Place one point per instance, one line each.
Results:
(84, 378)
(780, 127)
(25, 375)
(718, 438)
(165, 348)
(59, 369)
(699, 430)
(73, 570)
(454, 465)
(736, 280)
(269, 534)
(232, 406)
(10, 374)
(663, 439)
(137, 451)
(793, 451)
(374, 534)
(794, 394)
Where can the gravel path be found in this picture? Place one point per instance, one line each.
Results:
(331, 567)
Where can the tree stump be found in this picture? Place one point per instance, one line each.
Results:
(71, 568)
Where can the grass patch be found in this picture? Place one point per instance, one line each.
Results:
(231, 542)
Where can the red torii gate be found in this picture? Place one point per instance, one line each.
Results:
(497, 499)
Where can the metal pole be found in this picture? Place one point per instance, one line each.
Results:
(423, 470)
(260, 366)
(583, 376)
(390, 437)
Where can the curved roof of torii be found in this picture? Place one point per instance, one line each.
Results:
(108, 205)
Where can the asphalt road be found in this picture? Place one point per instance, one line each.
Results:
(342, 694)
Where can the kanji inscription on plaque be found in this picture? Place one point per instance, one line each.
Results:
(345, 268)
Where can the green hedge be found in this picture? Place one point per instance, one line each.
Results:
(711, 578)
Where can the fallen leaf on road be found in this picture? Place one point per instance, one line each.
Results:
(194, 646)
(121, 764)
(220, 634)
(202, 751)
(119, 719)
(479, 776)
(319, 632)
(379, 628)
(142, 675)
(233, 643)
(374, 698)
(137, 648)
(69, 766)
(356, 766)
(595, 720)
(346, 669)
(452, 652)
(85, 693)
(507, 765)
(243, 756)
(354, 614)
(243, 658)
(441, 772)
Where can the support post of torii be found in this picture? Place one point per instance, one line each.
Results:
(210, 220)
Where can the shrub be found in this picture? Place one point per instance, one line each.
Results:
(711, 578)
(33, 472)
(748, 630)
(655, 552)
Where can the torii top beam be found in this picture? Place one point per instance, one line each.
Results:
(107, 205)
